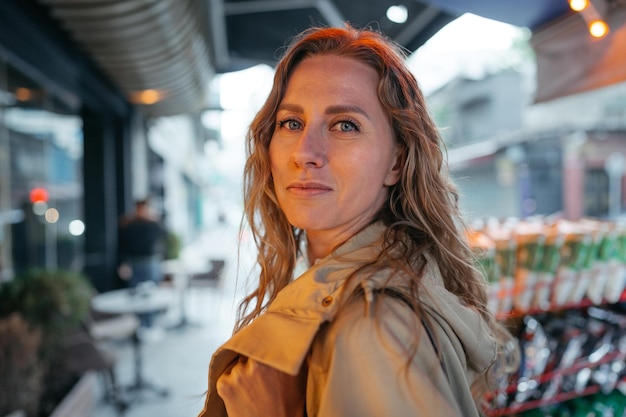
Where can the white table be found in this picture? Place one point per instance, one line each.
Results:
(182, 272)
(138, 300)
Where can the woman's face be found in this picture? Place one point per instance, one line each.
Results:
(333, 153)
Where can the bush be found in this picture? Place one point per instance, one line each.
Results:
(20, 369)
(50, 305)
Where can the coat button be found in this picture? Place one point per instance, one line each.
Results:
(327, 301)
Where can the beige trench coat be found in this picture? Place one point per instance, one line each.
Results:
(357, 358)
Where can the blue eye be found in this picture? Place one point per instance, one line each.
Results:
(347, 126)
(290, 124)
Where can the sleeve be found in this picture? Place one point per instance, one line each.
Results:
(377, 363)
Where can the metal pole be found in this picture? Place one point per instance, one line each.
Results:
(614, 167)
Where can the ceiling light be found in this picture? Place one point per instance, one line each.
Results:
(23, 94)
(146, 97)
(398, 13)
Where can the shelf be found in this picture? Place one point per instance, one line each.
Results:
(530, 405)
(586, 302)
(560, 397)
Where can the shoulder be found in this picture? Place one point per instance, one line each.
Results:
(380, 348)
(385, 321)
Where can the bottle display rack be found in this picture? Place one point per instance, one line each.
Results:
(560, 287)
(565, 355)
(540, 264)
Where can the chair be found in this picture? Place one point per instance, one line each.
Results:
(210, 278)
(111, 327)
(84, 350)
(80, 353)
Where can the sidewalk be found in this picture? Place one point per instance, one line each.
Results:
(179, 360)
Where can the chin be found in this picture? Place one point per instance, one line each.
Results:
(304, 222)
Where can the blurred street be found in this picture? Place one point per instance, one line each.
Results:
(177, 358)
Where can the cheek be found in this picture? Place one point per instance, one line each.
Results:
(373, 167)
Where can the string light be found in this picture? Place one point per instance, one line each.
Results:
(598, 28)
(578, 5)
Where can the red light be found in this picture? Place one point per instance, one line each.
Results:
(38, 195)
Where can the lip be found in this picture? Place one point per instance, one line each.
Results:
(308, 188)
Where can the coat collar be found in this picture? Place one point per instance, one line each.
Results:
(281, 337)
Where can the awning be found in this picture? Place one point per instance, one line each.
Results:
(176, 46)
(173, 48)
(162, 46)
(570, 61)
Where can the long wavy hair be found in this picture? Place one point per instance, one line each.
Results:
(421, 208)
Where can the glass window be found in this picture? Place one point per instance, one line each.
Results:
(41, 186)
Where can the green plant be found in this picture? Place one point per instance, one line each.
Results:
(172, 247)
(55, 301)
(53, 304)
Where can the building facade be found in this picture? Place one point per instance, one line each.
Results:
(74, 152)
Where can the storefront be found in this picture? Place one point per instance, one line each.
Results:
(63, 156)
(41, 180)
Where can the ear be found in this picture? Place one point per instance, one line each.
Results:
(395, 169)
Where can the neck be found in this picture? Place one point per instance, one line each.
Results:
(321, 244)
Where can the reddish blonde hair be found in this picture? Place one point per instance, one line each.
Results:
(421, 213)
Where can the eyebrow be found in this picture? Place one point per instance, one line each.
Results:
(337, 109)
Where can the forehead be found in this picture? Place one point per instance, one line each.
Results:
(334, 75)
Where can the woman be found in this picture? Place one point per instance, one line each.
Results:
(346, 175)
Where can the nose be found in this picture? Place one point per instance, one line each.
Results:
(309, 150)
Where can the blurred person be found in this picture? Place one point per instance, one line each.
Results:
(345, 181)
(142, 244)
